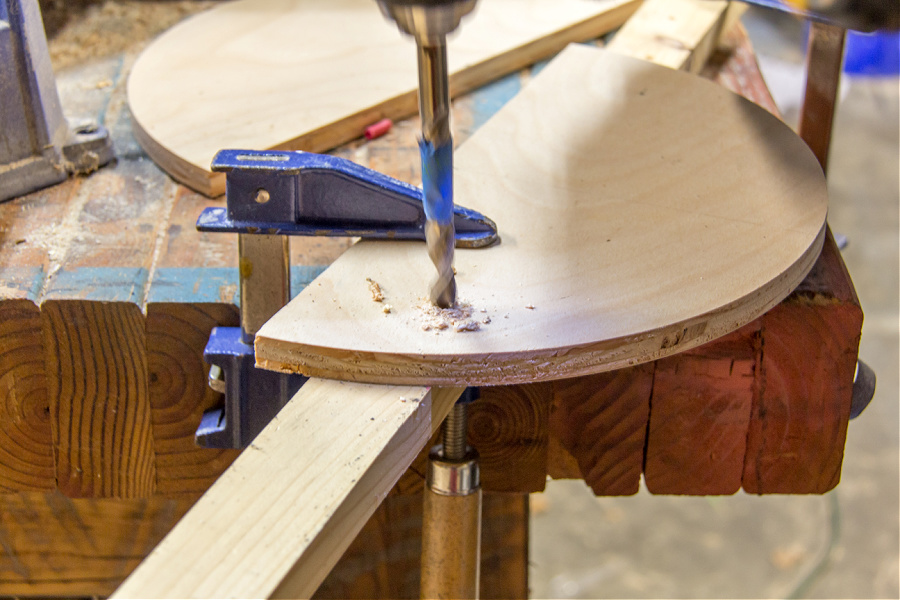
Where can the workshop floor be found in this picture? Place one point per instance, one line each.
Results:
(841, 545)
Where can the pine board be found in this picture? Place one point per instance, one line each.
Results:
(277, 521)
(627, 234)
(308, 75)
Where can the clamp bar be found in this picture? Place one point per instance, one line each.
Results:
(302, 193)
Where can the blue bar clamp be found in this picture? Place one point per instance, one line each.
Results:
(273, 194)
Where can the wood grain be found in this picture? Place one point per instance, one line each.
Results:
(796, 439)
(601, 421)
(699, 415)
(316, 75)
(96, 365)
(65, 547)
(508, 427)
(611, 253)
(26, 445)
(318, 471)
(679, 34)
(179, 394)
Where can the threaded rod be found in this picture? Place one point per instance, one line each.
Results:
(453, 432)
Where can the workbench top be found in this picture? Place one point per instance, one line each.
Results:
(108, 295)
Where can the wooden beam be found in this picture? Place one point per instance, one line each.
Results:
(26, 446)
(680, 34)
(280, 517)
(55, 546)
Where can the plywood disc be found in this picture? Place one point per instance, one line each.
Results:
(643, 212)
(310, 75)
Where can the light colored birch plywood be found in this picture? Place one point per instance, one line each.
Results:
(642, 212)
(310, 75)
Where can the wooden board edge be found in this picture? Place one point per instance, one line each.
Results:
(243, 501)
(546, 365)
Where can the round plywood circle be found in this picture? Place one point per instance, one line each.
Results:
(642, 212)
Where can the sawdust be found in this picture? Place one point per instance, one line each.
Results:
(81, 31)
(378, 295)
(375, 290)
(460, 318)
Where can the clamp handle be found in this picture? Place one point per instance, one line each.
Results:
(302, 193)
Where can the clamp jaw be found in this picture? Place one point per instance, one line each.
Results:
(271, 195)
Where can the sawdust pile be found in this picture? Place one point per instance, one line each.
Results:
(82, 30)
(460, 318)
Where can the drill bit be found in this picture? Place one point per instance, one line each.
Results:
(429, 22)
(436, 147)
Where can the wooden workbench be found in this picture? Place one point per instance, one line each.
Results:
(108, 295)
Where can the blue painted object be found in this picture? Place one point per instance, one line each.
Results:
(316, 194)
(872, 55)
(252, 396)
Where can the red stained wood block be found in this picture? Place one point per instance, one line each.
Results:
(601, 421)
(810, 343)
(699, 415)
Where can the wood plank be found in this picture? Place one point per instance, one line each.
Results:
(384, 560)
(796, 440)
(650, 266)
(699, 415)
(679, 34)
(26, 445)
(601, 421)
(179, 394)
(208, 73)
(508, 427)
(96, 365)
(318, 472)
(71, 547)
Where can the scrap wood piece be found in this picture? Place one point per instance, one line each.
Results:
(280, 517)
(680, 34)
(636, 214)
(307, 75)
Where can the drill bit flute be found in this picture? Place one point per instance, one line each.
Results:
(436, 147)
(429, 22)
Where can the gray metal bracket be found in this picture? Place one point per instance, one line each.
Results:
(38, 147)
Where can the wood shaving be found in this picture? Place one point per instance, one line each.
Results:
(458, 318)
(375, 289)
(82, 30)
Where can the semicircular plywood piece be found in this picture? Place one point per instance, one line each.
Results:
(642, 212)
(310, 75)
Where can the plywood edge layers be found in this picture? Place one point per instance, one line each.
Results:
(543, 365)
